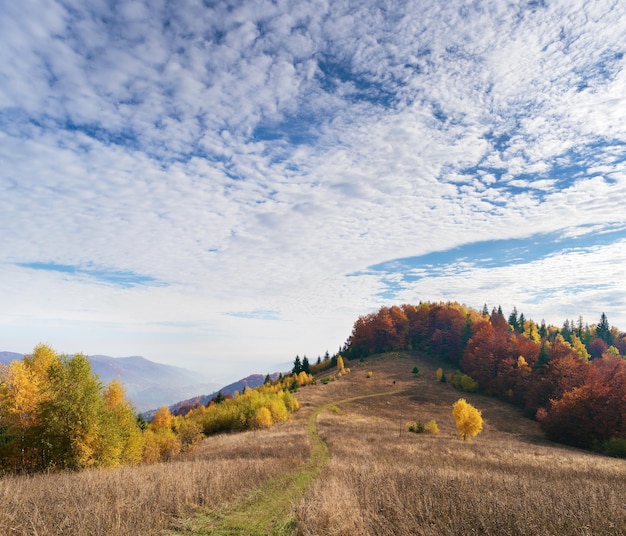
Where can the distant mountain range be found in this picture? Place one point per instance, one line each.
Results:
(148, 384)
(252, 381)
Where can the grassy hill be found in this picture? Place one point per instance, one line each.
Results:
(344, 465)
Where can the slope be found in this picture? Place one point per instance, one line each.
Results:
(378, 479)
(381, 479)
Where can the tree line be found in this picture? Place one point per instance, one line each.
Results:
(56, 414)
(572, 379)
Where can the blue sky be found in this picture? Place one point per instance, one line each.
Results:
(224, 185)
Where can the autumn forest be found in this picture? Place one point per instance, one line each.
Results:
(56, 414)
(571, 379)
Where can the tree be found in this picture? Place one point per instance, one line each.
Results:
(514, 321)
(20, 396)
(263, 417)
(297, 365)
(120, 435)
(162, 419)
(468, 419)
(306, 367)
(72, 415)
(603, 330)
(340, 365)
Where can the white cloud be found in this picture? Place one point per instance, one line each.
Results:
(250, 158)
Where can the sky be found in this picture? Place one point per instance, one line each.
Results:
(224, 185)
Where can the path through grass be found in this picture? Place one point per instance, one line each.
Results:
(267, 510)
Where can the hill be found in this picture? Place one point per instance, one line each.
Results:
(7, 357)
(346, 465)
(183, 406)
(151, 385)
(148, 384)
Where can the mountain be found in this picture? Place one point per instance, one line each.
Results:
(148, 384)
(182, 407)
(7, 357)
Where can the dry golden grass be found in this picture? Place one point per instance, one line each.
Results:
(381, 480)
(147, 499)
(384, 481)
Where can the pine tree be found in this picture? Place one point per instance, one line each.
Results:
(297, 365)
(306, 367)
(603, 330)
(513, 320)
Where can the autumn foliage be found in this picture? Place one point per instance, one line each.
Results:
(572, 379)
(468, 419)
(56, 414)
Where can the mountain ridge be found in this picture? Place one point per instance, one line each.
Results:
(148, 384)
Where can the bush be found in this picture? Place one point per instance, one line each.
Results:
(463, 382)
(416, 427)
(468, 384)
(431, 428)
(615, 446)
(370, 374)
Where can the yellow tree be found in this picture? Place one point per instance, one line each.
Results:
(468, 419)
(162, 419)
(579, 348)
(121, 440)
(340, 365)
(263, 417)
(19, 413)
(71, 414)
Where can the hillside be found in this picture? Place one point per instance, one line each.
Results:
(7, 357)
(181, 407)
(148, 384)
(346, 465)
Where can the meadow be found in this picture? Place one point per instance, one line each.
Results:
(346, 465)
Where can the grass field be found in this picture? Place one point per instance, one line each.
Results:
(344, 465)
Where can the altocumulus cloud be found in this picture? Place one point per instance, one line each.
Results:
(224, 185)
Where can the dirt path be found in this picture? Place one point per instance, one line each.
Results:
(268, 509)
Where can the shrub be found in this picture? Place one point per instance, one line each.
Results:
(416, 427)
(370, 374)
(463, 382)
(415, 371)
(431, 428)
(468, 384)
(615, 446)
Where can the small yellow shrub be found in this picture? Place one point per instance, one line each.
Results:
(370, 374)
(431, 427)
